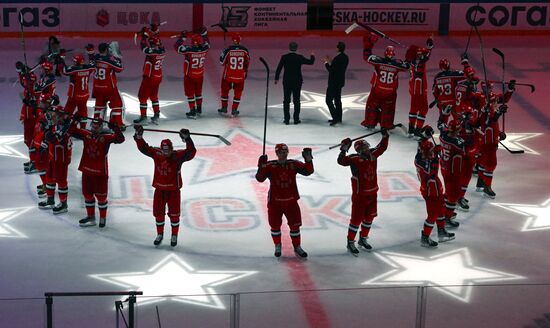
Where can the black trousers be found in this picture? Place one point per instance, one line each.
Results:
(333, 99)
(294, 92)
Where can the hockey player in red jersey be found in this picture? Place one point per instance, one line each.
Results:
(193, 68)
(95, 167)
(452, 156)
(105, 83)
(27, 79)
(380, 107)
(235, 60)
(45, 88)
(443, 89)
(58, 144)
(418, 86)
(490, 138)
(167, 179)
(78, 93)
(364, 185)
(426, 162)
(283, 194)
(155, 53)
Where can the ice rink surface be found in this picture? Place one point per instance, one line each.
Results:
(225, 245)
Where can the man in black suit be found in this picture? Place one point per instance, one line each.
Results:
(292, 80)
(336, 80)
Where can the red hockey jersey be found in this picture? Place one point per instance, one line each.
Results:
(282, 178)
(235, 60)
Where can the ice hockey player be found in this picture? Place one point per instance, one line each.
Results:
(78, 93)
(193, 68)
(443, 88)
(364, 186)
(283, 194)
(380, 107)
(426, 162)
(235, 60)
(155, 53)
(167, 179)
(95, 167)
(28, 115)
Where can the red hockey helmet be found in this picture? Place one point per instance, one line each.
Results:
(196, 39)
(281, 147)
(360, 144)
(236, 38)
(166, 144)
(426, 146)
(421, 51)
(390, 52)
(444, 64)
(454, 125)
(154, 41)
(469, 71)
(47, 66)
(78, 59)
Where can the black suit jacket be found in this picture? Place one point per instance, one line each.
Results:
(292, 63)
(337, 70)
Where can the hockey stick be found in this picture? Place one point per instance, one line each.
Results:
(512, 151)
(531, 86)
(433, 103)
(486, 91)
(158, 316)
(373, 30)
(471, 31)
(73, 115)
(225, 141)
(501, 55)
(366, 135)
(266, 98)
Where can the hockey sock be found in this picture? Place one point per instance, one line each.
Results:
(63, 191)
(420, 121)
(365, 227)
(99, 111)
(50, 189)
(487, 177)
(449, 208)
(156, 106)
(276, 236)
(412, 120)
(198, 99)
(143, 108)
(43, 178)
(427, 228)
(295, 237)
(90, 205)
(191, 101)
(236, 103)
(175, 223)
(225, 101)
(440, 222)
(102, 205)
(159, 220)
(352, 231)
(116, 116)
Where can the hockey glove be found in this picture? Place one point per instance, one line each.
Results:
(427, 131)
(262, 160)
(183, 35)
(185, 134)
(89, 48)
(306, 154)
(139, 130)
(438, 149)
(502, 136)
(203, 31)
(502, 109)
(464, 59)
(430, 43)
(512, 85)
(345, 145)
(447, 110)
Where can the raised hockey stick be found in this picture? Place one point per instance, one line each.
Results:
(501, 55)
(512, 151)
(266, 98)
(373, 30)
(471, 31)
(366, 135)
(225, 141)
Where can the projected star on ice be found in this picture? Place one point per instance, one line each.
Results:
(131, 104)
(8, 214)
(317, 101)
(452, 273)
(515, 141)
(173, 279)
(7, 150)
(538, 216)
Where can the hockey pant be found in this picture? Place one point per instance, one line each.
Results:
(78, 103)
(380, 109)
(111, 97)
(237, 92)
(452, 191)
(95, 187)
(291, 210)
(487, 163)
(56, 174)
(193, 91)
(170, 199)
(435, 207)
(364, 209)
(149, 89)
